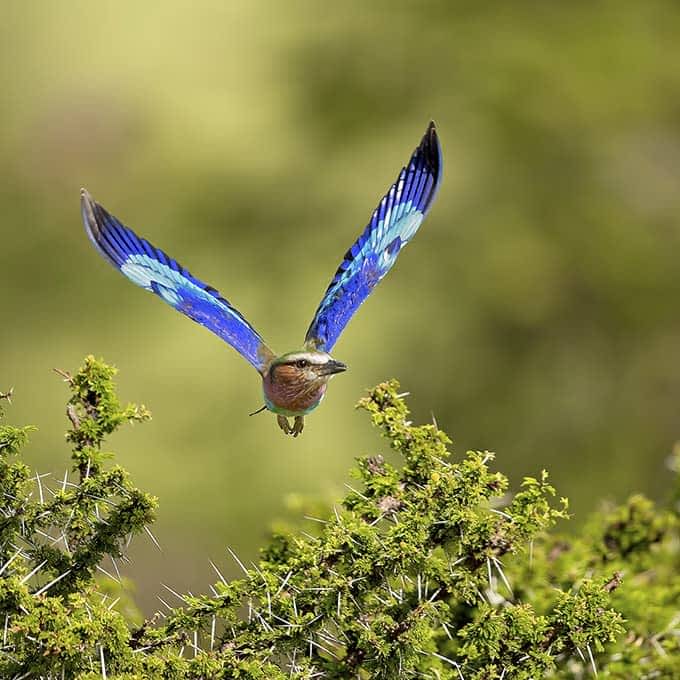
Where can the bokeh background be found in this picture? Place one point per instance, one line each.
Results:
(536, 314)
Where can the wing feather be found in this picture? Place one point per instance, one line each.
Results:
(149, 267)
(393, 224)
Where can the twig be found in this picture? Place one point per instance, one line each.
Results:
(65, 375)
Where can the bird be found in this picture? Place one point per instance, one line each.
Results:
(293, 383)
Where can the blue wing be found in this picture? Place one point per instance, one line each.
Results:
(393, 224)
(153, 270)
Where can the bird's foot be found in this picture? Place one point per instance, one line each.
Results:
(295, 429)
(298, 426)
(284, 425)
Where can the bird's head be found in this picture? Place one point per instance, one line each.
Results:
(305, 367)
(296, 382)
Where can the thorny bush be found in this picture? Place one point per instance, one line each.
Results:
(430, 568)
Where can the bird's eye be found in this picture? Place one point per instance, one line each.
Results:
(302, 363)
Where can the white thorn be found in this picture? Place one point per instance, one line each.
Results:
(592, 660)
(447, 660)
(281, 587)
(152, 537)
(115, 566)
(164, 603)
(499, 568)
(103, 571)
(32, 573)
(40, 489)
(174, 592)
(218, 572)
(492, 580)
(52, 582)
(10, 560)
(240, 564)
(434, 595)
(351, 488)
(101, 658)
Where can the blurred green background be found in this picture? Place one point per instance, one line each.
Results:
(537, 313)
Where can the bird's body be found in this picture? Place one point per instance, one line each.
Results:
(293, 383)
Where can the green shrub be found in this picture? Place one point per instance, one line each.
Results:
(431, 569)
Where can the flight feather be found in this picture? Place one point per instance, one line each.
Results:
(150, 268)
(393, 224)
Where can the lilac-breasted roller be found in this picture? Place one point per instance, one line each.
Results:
(294, 383)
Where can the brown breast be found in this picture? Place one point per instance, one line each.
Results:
(287, 389)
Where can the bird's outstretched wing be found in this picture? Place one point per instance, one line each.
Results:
(393, 224)
(150, 268)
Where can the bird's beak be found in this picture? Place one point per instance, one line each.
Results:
(333, 367)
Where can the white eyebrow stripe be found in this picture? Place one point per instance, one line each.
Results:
(317, 359)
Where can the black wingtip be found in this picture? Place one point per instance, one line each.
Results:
(93, 214)
(431, 149)
(87, 208)
(87, 203)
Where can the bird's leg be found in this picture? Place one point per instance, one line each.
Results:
(299, 426)
(284, 425)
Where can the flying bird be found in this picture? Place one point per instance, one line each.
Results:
(293, 383)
